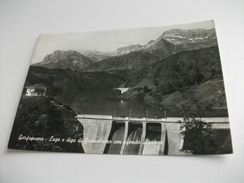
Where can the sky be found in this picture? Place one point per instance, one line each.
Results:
(105, 40)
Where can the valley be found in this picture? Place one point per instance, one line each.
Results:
(181, 68)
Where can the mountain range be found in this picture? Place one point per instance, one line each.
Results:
(172, 70)
(70, 59)
(177, 40)
(169, 43)
(132, 60)
(132, 56)
(95, 56)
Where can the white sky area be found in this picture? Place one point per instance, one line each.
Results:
(104, 41)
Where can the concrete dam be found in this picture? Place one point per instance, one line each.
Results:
(105, 134)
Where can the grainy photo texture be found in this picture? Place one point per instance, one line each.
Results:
(143, 91)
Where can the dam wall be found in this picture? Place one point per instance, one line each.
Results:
(95, 134)
(105, 134)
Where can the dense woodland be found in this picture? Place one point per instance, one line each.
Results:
(46, 118)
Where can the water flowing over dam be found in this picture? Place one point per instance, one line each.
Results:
(105, 134)
(116, 135)
(134, 136)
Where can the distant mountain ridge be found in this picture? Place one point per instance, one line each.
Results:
(191, 39)
(132, 60)
(98, 56)
(95, 55)
(132, 56)
(60, 59)
(169, 43)
(128, 49)
(176, 40)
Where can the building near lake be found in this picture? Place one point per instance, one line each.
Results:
(36, 90)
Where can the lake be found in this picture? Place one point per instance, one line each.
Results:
(103, 106)
(99, 105)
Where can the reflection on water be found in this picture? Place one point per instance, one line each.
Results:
(98, 105)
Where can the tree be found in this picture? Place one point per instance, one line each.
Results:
(198, 137)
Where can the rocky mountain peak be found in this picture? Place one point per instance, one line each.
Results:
(65, 59)
(178, 36)
(128, 49)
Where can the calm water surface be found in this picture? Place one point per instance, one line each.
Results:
(98, 105)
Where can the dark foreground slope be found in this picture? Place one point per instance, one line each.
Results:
(43, 124)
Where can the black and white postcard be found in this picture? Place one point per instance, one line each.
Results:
(142, 91)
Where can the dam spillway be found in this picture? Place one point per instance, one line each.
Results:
(105, 134)
(153, 134)
(95, 133)
(134, 136)
(116, 135)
